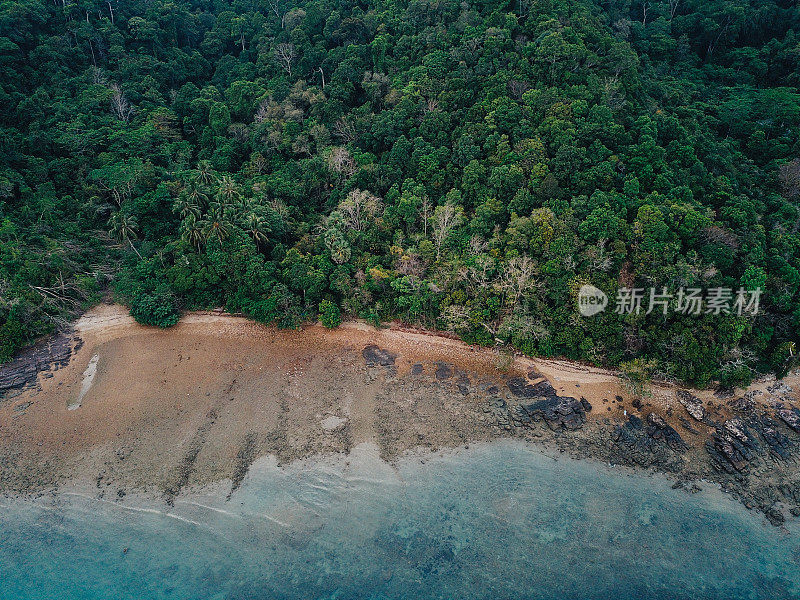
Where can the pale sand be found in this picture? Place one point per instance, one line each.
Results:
(86, 382)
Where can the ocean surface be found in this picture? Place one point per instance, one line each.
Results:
(499, 520)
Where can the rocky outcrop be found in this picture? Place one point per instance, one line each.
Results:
(376, 356)
(649, 442)
(790, 416)
(22, 371)
(692, 404)
(443, 371)
(754, 454)
(733, 446)
(746, 403)
(774, 440)
(521, 388)
(756, 433)
(659, 430)
(748, 445)
(558, 412)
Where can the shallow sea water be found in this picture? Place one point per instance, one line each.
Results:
(500, 520)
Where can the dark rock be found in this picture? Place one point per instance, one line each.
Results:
(245, 456)
(463, 383)
(659, 429)
(522, 389)
(416, 369)
(21, 408)
(443, 371)
(520, 415)
(738, 429)
(688, 426)
(558, 412)
(692, 404)
(740, 443)
(378, 357)
(775, 515)
(634, 423)
(487, 386)
(637, 404)
(586, 404)
(779, 388)
(22, 371)
(777, 442)
(744, 404)
(790, 416)
(648, 443)
(724, 454)
(733, 446)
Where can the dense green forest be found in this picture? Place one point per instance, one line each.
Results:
(461, 165)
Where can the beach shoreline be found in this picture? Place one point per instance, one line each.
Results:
(173, 410)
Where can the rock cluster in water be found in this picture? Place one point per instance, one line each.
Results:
(558, 412)
(749, 447)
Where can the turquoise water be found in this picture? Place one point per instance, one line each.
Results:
(495, 521)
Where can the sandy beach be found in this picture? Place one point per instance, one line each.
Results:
(142, 409)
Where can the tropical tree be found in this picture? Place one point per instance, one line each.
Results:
(123, 228)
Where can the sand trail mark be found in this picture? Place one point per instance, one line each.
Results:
(86, 382)
(186, 467)
(245, 456)
(362, 415)
(278, 438)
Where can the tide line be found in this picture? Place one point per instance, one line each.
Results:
(137, 509)
(211, 508)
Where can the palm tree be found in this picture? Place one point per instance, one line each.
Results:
(257, 228)
(228, 193)
(216, 224)
(185, 207)
(192, 231)
(204, 174)
(197, 196)
(123, 228)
